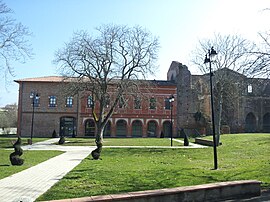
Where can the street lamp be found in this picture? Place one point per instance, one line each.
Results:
(208, 59)
(171, 100)
(35, 100)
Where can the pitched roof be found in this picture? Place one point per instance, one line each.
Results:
(58, 79)
(42, 79)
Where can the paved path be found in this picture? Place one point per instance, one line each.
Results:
(29, 184)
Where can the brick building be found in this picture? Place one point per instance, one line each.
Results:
(249, 111)
(71, 115)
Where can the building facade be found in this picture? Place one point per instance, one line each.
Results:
(50, 109)
(247, 110)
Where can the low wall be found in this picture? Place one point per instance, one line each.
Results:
(206, 192)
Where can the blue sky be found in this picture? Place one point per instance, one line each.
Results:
(179, 24)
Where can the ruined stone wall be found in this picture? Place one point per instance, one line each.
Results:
(248, 110)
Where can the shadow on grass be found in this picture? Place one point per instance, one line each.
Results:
(5, 165)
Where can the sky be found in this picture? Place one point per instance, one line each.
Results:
(179, 25)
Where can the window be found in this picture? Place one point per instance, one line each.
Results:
(121, 102)
(152, 103)
(137, 103)
(167, 103)
(69, 102)
(90, 101)
(52, 101)
(249, 88)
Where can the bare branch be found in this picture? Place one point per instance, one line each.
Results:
(111, 65)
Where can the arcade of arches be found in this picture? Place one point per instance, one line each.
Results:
(136, 128)
(251, 123)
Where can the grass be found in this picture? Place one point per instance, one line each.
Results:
(31, 158)
(242, 156)
(6, 142)
(122, 142)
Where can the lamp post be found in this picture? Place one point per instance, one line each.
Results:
(171, 100)
(208, 59)
(35, 97)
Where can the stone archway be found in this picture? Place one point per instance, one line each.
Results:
(152, 129)
(121, 128)
(250, 123)
(137, 129)
(266, 123)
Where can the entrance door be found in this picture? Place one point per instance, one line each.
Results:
(68, 126)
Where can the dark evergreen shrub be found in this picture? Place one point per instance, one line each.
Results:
(14, 157)
(62, 140)
(54, 135)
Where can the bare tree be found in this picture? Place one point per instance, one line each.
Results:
(234, 57)
(14, 45)
(110, 66)
(261, 57)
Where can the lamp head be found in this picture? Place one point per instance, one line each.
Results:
(213, 52)
(171, 98)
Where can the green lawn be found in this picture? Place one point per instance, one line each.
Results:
(242, 156)
(6, 142)
(31, 158)
(122, 142)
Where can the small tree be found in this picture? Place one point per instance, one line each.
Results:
(110, 66)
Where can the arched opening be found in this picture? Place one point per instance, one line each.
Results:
(67, 126)
(90, 128)
(250, 123)
(121, 128)
(137, 129)
(266, 123)
(107, 130)
(167, 129)
(152, 129)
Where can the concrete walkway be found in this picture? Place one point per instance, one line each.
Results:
(29, 184)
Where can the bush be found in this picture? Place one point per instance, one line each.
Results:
(54, 135)
(14, 157)
(62, 140)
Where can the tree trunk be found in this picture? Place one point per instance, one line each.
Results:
(99, 139)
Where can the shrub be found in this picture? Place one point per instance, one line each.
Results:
(62, 140)
(54, 135)
(14, 157)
